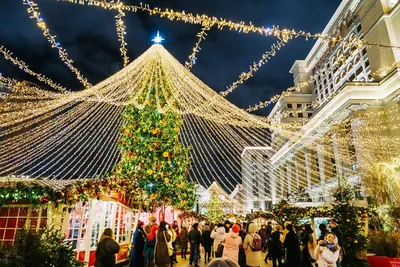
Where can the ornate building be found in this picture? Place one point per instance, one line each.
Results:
(346, 119)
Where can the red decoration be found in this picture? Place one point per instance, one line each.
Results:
(44, 200)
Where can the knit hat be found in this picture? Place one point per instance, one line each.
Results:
(235, 228)
(222, 262)
(152, 219)
(140, 223)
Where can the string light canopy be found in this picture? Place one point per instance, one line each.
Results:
(74, 135)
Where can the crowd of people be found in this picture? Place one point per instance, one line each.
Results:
(230, 244)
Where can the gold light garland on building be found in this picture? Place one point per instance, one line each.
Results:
(33, 10)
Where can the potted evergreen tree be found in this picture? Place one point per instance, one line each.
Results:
(385, 247)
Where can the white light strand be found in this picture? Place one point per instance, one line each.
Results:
(33, 10)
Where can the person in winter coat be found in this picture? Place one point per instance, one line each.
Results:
(253, 258)
(183, 241)
(327, 251)
(149, 246)
(218, 234)
(275, 248)
(263, 234)
(207, 242)
(305, 240)
(137, 258)
(171, 243)
(292, 245)
(324, 231)
(152, 221)
(227, 225)
(242, 252)
(232, 241)
(161, 256)
(338, 233)
(106, 249)
(195, 240)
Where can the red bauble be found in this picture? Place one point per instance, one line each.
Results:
(44, 200)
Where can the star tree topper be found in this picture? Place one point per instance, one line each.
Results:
(158, 39)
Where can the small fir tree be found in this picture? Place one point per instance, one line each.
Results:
(214, 208)
(351, 221)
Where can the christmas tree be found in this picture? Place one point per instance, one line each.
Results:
(351, 221)
(214, 207)
(152, 155)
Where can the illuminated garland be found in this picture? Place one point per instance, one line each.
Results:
(23, 66)
(121, 31)
(202, 36)
(259, 214)
(13, 84)
(191, 214)
(33, 9)
(254, 68)
(221, 23)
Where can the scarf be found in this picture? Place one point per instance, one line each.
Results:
(332, 246)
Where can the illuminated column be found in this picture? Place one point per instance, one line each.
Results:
(320, 156)
(282, 180)
(338, 158)
(296, 169)
(289, 177)
(307, 158)
(273, 185)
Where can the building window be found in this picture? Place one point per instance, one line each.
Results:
(14, 218)
(352, 77)
(357, 59)
(359, 28)
(366, 63)
(359, 70)
(300, 115)
(256, 204)
(290, 115)
(298, 105)
(364, 51)
(309, 114)
(289, 105)
(350, 67)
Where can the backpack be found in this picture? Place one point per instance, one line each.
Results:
(256, 244)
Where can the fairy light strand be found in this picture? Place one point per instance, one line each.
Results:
(23, 66)
(255, 67)
(33, 10)
(222, 23)
(202, 36)
(121, 31)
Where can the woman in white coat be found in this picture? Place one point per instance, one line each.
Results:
(218, 235)
(327, 251)
(232, 242)
(253, 258)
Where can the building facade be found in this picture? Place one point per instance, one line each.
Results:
(257, 187)
(345, 119)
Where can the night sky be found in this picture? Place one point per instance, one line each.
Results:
(89, 35)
